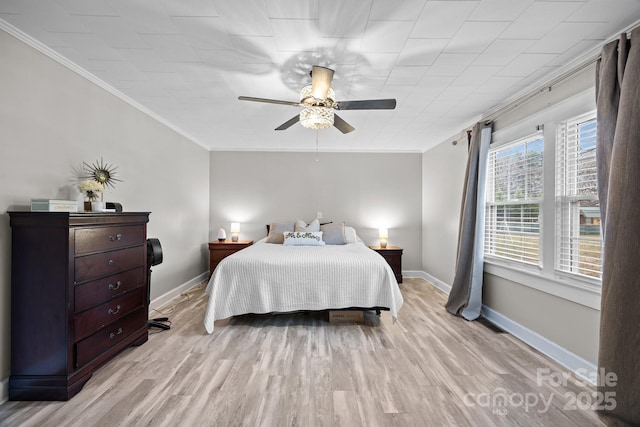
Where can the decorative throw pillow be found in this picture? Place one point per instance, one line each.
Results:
(303, 238)
(350, 235)
(276, 231)
(300, 225)
(333, 234)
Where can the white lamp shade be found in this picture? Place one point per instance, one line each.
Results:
(384, 233)
(235, 227)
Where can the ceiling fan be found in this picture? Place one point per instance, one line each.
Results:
(318, 103)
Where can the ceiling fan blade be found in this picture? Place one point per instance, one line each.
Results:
(320, 81)
(342, 126)
(289, 123)
(269, 101)
(368, 104)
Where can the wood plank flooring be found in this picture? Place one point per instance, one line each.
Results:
(426, 369)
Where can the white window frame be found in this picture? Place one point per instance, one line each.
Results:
(492, 205)
(545, 278)
(568, 198)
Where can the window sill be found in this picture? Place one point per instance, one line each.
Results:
(561, 286)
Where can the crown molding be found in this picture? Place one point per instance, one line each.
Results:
(562, 73)
(46, 50)
(546, 83)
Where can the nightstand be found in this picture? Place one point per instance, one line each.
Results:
(220, 250)
(393, 255)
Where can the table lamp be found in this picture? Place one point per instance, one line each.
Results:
(235, 229)
(384, 235)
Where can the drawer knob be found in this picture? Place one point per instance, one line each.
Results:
(115, 312)
(117, 237)
(113, 334)
(116, 287)
(110, 262)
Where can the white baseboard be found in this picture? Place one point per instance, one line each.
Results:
(564, 357)
(175, 292)
(417, 274)
(444, 287)
(413, 274)
(579, 366)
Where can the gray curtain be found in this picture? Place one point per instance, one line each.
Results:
(465, 298)
(618, 157)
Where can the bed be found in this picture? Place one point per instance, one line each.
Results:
(276, 278)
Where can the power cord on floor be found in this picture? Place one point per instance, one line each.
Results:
(163, 323)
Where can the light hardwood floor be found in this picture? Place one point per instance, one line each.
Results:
(428, 368)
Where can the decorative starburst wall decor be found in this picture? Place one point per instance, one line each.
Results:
(101, 172)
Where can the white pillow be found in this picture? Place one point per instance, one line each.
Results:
(303, 238)
(350, 235)
(333, 233)
(303, 226)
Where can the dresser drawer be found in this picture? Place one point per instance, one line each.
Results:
(96, 318)
(96, 344)
(107, 238)
(104, 264)
(97, 292)
(57, 317)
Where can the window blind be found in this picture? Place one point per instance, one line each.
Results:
(513, 196)
(578, 234)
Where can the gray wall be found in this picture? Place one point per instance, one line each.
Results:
(366, 190)
(443, 170)
(52, 120)
(573, 326)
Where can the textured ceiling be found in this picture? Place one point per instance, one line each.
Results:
(446, 62)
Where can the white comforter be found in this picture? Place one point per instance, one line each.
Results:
(266, 277)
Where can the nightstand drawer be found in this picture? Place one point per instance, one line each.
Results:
(96, 318)
(96, 344)
(393, 260)
(220, 250)
(97, 292)
(393, 256)
(103, 264)
(108, 238)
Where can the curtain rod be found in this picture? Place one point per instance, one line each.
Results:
(492, 115)
(581, 63)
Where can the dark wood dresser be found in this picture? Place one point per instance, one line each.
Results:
(78, 297)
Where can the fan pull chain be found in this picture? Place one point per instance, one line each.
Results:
(317, 159)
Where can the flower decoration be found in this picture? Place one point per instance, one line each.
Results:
(102, 172)
(91, 189)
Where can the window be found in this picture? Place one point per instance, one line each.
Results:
(542, 227)
(513, 200)
(578, 234)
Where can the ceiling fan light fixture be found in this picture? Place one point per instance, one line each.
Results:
(307, 97)
(318, 102)
(321, 78)
(316, 117)
(318, 113)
